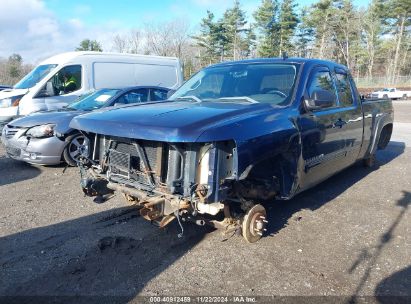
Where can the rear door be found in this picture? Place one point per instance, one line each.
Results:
(324, 136)
(351, 115)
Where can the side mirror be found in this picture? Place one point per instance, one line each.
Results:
(46, 91)
(50, 88)
(320, 99)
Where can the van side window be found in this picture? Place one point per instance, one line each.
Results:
(65, 81)
(320, 79)
(344, 90)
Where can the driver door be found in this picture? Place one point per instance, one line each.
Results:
(322, 131)
(63, 88)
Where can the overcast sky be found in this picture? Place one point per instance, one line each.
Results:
(37, 29)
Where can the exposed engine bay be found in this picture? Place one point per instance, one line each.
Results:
(189, 181)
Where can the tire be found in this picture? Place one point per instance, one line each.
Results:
(385, 96)
(385, 137)
(369, 162)
(404, 97)
(76, 145)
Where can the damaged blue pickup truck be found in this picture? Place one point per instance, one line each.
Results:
(235, 137)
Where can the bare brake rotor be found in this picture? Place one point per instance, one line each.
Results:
(254, 223)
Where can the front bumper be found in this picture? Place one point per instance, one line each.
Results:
(41, 151)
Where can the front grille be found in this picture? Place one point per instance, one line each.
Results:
(119, 162)
(10, 131)
(140, 162)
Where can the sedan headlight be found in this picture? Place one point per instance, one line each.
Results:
(41, 131)
(10, 102)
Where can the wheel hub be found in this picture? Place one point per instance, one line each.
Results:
(254, 223)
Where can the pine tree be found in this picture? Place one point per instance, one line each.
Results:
(345, 25)
(207, 39)
(288, 22)
(266, 17)
(319, 16)
(398, 18)
(372, 29)
(234, 22)
(304, 36)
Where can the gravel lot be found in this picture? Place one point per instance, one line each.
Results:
(348, 236)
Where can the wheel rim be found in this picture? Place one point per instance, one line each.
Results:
(78, 146)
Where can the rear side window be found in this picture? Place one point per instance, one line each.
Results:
(344, 90)
(320, 80)
(158, 94)
(135, 96)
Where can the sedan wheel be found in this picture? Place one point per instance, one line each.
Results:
(76, 145)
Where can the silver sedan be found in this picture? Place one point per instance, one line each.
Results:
(45, 138)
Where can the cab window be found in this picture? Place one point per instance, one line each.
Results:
(344, 90)
(320, 79)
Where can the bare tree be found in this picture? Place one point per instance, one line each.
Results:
(135, 41)
(167, 39)
(120, 43)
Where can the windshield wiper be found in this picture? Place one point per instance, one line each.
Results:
(189, 97)
(245, 98)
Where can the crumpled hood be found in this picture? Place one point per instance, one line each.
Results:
(173, 121)
(61, 118)
(7, 93)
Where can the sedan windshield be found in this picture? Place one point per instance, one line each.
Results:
(93, 101)
(250, 83)
(35, 76)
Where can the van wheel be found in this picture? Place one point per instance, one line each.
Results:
(369, 162)
(254, 223)
(76, 145)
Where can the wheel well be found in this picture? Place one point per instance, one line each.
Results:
(385, 136)
(64, 137)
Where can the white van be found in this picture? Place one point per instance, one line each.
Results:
(60, 79)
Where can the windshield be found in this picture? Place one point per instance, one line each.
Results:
(251, 83)
(93, 101)
(35, 76)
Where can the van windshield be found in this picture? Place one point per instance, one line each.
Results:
(35, 76)
(246, 83)
(93, 101)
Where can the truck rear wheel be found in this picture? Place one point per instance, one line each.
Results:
(254, 223)
(369, 162)
(404, 97)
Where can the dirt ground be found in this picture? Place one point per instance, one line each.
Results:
(349, 236)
